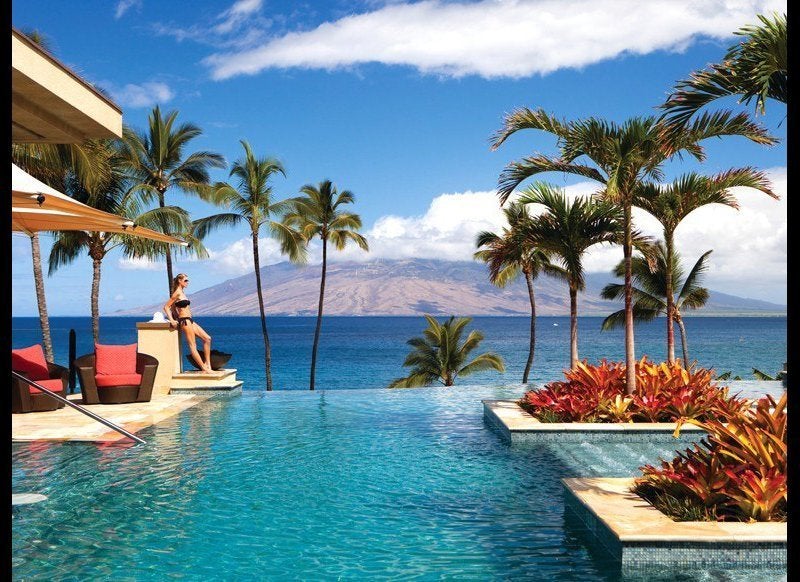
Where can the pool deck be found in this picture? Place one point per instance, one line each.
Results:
(67, 424)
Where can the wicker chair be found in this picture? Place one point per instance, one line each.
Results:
(30, 362)
(116, 388)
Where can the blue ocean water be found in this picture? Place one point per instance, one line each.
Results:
(368, 352)
(327, 485)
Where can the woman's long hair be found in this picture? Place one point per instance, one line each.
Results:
(177, 280)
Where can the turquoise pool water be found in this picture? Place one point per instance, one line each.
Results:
(333, 485)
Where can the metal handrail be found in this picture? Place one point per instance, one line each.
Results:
(78, 407)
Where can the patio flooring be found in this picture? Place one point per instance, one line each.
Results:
(67, 424)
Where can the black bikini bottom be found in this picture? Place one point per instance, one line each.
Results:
(185, 320)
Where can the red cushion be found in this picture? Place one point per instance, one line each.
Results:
(107, 380)
(115, 360)
(53, 385)
(31, 361)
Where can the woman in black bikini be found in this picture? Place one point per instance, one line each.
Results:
(179, 314)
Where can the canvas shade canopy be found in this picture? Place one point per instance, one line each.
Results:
(35, 206)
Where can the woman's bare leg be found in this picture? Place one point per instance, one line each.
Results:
(203, 335)
(191, 340)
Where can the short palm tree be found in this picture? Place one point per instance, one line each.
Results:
(441, 356)
(158, 162)
(620, 157)
(653, 287)
(671, 203)
(755, 68)
(568, 228)
(253, 203)
(508, 255)
(116, 196)
(319, 214)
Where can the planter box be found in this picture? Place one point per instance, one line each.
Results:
(517, 426)
(641, 537)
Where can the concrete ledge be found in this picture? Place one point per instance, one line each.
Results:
(640, 536)
(233, 389)
(515, 425)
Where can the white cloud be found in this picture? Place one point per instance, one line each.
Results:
(237, 258)
(236, 15)
(124, 5)
(139, 264)
(239, 27)
(145, 94)
(495, 38)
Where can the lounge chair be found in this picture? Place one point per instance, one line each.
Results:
(116, 374)
(30, 362)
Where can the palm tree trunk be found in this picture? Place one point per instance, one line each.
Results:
(38, 281)
(684, 343)
(319, 311)
(168, 252)
(670, 301)
(573, 325)
(267, 351)
(95, 299)
(532, 343)
(630, 355)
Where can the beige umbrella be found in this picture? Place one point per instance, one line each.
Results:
(35, 206)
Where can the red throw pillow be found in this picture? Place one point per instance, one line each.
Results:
(31, 361)
(115, 360)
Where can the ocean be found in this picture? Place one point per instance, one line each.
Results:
(368, 352)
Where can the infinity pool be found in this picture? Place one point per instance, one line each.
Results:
(350, 485)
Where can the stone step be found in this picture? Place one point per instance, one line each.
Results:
(224, 377)
(228, 389)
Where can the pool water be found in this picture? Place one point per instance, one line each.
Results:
(332, 485)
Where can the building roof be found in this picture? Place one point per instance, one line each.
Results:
(52, 104)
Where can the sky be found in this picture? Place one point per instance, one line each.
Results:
(396, 102)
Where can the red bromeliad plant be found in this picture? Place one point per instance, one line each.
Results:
(737, 473)
(666, 393)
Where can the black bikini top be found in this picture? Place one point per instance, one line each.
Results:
(182, 303)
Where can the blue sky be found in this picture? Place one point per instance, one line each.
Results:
(396, 102)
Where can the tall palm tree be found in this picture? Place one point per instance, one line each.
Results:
(671, 203)
(620, 157)
(116, 196)
(158, 161)
(441, 356)
(755, 68)
(568, 228)
(319, 214)
(252, 202)
(653, 290)
(510, 254)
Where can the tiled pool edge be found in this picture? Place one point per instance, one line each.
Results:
(640, 537)
(517, 426)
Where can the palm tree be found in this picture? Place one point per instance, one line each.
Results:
(671, 203)
(440, 355)
(568, 228)
(116, 196)
(252, 202)
(318, 214)
(620, 157)
(508, 255)
(158, 162)
(654, 287)
(755, 68)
